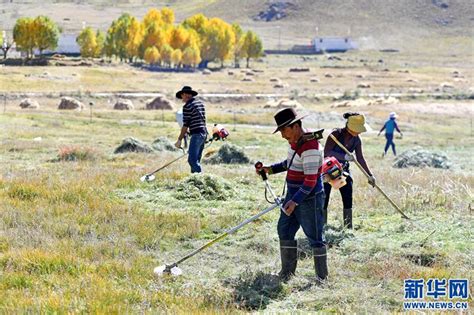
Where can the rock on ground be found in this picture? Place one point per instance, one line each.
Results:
(29, 103)
(124, 105)
(283, 103)
(160, 102)
(70, 103)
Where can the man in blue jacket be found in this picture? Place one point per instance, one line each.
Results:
(390, 126)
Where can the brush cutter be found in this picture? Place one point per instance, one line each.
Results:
(218, 133)
(367, 175)
(173, 269)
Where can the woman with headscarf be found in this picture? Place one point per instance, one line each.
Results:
(349, 137)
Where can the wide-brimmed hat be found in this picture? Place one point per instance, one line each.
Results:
(186, 89)
(393, 115)
(357, 123)
(286, 117)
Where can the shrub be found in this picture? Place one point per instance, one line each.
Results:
(76, 154)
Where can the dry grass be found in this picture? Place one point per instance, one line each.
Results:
(85, 236)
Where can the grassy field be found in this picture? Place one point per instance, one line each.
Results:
(85, 236)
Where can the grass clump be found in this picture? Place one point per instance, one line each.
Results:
(163, 144)
(23, 191)
(229, 154)
(133, 145)
(73, 154)
(204, 187)
(255, 291)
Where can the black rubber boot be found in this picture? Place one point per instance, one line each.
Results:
(320, 263)
(288, 252)
(347, 214)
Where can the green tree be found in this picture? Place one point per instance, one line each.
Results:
(100, 39)
(23, 35)
(135, 37)
(252, 46)
(118, 37)
(46, 33)
(238, 44)
(87, 42)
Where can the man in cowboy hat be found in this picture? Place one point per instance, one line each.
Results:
(303, 204)
(194, 121)
(349, 137)
(390, 126)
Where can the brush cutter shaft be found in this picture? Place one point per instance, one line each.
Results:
(230, 231)
(367, 175)
(167, 164)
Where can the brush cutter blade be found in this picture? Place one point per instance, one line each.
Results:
(147, 178)
(161, 271)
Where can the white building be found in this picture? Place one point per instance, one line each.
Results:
(333, 44)
(67, 45)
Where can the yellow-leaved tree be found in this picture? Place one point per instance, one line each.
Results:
(238, 44)
(252, 46)
(155, 36)
(166, 51)
(23, 35)
(191, 57)
(178, 37)
(5, 43)
(135, 37)
(152, 55)
(217, 42)
(87, 42)
(100, 40)
(167, 15)
(153, 16)
(46, 33)
(117, 37)
(176, 57)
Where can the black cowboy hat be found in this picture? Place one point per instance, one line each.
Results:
(186, 89)
(286, 117)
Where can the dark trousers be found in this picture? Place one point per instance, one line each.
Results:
(309, 215)
(389, 137)
(196, 146)
(346, 194)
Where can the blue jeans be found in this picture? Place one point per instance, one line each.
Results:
(196, 146)
(308, 215)
(389, 137)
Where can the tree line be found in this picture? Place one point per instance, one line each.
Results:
(156, 39)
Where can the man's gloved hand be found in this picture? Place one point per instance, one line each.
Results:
(372, 180)
(349, 157)
(178, 144)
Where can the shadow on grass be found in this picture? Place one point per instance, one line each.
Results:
(254, 291)
(333, 235)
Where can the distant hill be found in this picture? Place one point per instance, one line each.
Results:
(374, 24)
